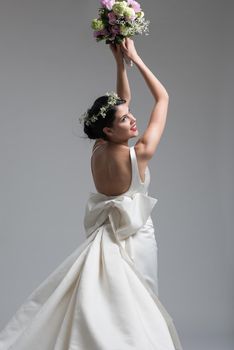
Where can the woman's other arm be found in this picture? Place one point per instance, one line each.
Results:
(122, 83)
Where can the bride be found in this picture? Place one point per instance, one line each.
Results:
(104, 296)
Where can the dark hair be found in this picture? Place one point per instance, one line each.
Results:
(95, 130)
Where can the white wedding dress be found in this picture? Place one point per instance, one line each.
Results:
(104, 296)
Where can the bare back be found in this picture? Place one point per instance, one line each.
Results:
(111, 168)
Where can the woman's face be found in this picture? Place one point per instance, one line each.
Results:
(124, 125)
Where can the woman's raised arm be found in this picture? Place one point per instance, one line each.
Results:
(148, 142)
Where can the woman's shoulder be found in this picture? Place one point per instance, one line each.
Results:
(99, 142)
(110, 146)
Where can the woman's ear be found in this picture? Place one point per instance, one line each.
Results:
(107, 131)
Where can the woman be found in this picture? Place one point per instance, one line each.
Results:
(104, 296)
(111, 147)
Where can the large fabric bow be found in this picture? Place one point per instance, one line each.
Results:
(126, 213)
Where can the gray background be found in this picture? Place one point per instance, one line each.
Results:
(51, 70)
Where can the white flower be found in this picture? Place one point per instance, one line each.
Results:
(119, 8)
(112, 98)
(129, 13)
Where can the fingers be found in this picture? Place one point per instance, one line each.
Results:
(118, 47)
(123, 44)
(113, 47)
(127, 43)
(124, 48)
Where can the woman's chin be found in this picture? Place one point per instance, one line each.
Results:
(135, 133)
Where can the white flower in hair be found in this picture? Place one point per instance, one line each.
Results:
(112, 99)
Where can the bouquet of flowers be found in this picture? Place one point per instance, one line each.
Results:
(118, 20)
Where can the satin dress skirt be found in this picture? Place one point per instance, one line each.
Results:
(143, 250)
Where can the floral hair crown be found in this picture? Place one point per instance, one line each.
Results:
(112, 98)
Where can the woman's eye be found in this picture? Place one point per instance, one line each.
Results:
(126, 115)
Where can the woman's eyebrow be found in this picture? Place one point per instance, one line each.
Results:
(126, 113)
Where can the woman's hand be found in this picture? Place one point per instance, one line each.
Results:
(117, 52)
(128, 49)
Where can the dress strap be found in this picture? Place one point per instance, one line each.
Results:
(135, 167)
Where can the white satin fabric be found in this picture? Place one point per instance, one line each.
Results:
(104, 296)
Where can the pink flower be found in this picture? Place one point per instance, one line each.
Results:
(112, 17)
(100, 32)
(96, 33)
(107, 3)
(115, 29)
(135, 5)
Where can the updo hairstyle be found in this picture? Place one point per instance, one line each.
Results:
(95, 129)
